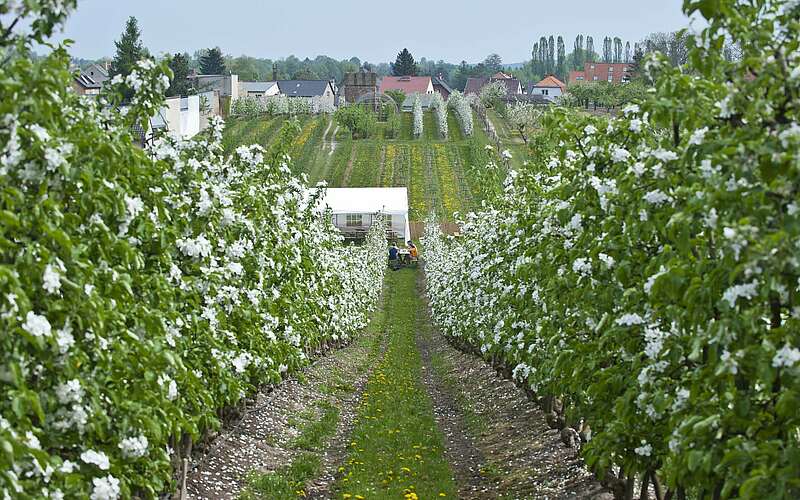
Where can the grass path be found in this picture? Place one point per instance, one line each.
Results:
(396, 448)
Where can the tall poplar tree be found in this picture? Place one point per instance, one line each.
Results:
(607, 53)
(590, 55)
(551, 54)
(617, 49)
(561, 66)
(578, 53)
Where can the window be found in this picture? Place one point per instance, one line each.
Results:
(610, 78)
(592, 66)
(352, 220)
(595, 77)
(611, 69)
(545, 92)
(579, 78)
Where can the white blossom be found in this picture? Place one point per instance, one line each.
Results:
(134, 447)
(787, 356)
(630, 320)
(105, 488)
(36, 325)
(97, 458)
(747, 291)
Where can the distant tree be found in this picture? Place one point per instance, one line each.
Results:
(305, 73)
(607, 51)
(129, 49)
(617, 49)
(404, 65)
(179, 84)
(674, 45)
(213, 62)
(543, 54)
(459, 80)
(535, 61)
(590, 55)
(398, 95)
(493, 63)
(628, 54)
(551, 54)
(636, 63)
(578, 53)
(561, 68)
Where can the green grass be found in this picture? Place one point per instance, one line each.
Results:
(286, 482)
(316, 426)
(314, 433)
(396, 447)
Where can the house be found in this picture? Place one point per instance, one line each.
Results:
(425, 100)
(258, 89)
(323, 89)
(476, 84)
(358, 84)
(182, 116)
(440, 86)
(226, 85)
(354, 210)
(407, 84)
(601, 72)
(97, 72)
(84, 84)
(549, 87)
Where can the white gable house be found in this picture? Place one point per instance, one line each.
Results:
(354, 210)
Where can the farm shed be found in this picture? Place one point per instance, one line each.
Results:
(354, 210)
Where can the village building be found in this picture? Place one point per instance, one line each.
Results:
(550, 88)
(308, 88)
(407, 84)
(97, 72)
(358, 84)
(84, 84)
(354, 210)
(258, 89)
(425, 100)
(441, 86)
(226, 85)
(513, 85)
(601, 72)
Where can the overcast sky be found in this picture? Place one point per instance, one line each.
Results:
(372, 31)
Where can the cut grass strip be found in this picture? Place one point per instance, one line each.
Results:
(396, 449)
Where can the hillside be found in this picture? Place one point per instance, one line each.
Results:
(440, 174)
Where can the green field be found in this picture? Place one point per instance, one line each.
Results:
(441, 175)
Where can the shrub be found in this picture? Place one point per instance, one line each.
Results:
(360, 121)
(417, 112)
(644, 276)
(144, 291)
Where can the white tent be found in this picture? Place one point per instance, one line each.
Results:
(347, 204)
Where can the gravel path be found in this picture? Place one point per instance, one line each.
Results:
(261, 441)
(498, 441)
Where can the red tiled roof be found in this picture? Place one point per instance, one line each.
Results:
(551, 82)
(408, 84)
